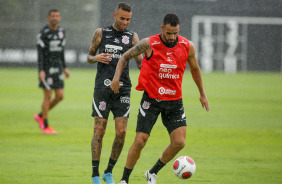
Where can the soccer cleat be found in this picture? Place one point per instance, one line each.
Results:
(122, 182)
(108, 178)
(39, 120)
(49, 130)
(96, 180)
(151, 178)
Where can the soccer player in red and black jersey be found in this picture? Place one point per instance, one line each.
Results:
(51, 65)
(161, 75)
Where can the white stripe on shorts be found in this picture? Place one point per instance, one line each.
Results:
(126, 114)
(142, 112)
(98, 112)
(183, 115)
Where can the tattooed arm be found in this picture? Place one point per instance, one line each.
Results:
(141, 47)
(138, 58)
(96, 41)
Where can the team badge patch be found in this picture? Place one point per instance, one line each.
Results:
(61, 35)
(125, 39)
(102, 106)
(146, 105)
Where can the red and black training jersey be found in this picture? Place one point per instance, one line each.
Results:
(162, 73)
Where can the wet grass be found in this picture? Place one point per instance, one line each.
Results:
(238, 141)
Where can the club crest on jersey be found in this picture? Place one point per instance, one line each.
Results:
(102, 106)
(61, 35)
(146, 105)
(50, 81)
(125, 39)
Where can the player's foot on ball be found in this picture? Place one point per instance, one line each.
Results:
(49, 130)
(108, 178)
(96, 180)
(151, 178)
(122, 182)
(39, 120)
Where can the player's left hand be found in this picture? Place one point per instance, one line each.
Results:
(67, 73)
(205, 103)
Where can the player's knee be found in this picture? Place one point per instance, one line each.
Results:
(178, 144)
(140, 141)
(60, 97)
(99, 131)
(121, 133)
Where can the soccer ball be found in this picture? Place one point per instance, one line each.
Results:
(184, 167)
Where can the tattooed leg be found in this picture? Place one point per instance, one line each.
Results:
(121, 124)
(99, 132)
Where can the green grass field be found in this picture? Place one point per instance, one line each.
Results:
(238, 142)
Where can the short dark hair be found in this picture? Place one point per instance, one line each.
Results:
(53, 10)
(124, 6)
(171, 19)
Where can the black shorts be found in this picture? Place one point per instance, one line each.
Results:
(172, 113)
(104, 101)
(54, 81)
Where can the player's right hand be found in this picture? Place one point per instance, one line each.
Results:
(42, 75)
(103, 58)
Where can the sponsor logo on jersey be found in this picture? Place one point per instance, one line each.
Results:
(109, 36)
(129, 33)
(165, 72)
(168, 66)
(168, 53)
(55, 46)
(46, 30)
(162, 91)
(102, 106)
(146, 105)
(61, 35)
(107, 82)
(54, 70)
(182, 41)
(113, 50)
(116, 40)
(169, 59)
(125, 99)
(155, 42)
(107, 29)
(125, 39)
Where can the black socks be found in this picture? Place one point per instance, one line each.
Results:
(95, 168)
(110, 166)
(157, 167)
(126, 174)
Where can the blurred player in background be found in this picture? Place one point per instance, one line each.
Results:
(112, 42)
(51, 65)
(161, 75)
